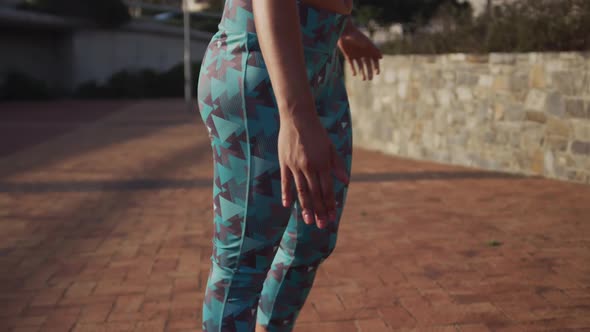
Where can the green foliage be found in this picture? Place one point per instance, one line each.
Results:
(144, 83)
(200, 24)
(216, 6)
(410, 13)
(524, 26)
(20, 86)
(494, 243)
(365, 15)
(108, 13)
(209, 24)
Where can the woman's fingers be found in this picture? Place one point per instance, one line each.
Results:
(377, 55)
(286, 186)
(369, 66)
(352, 67)
(305, 200)
(315, 191)
(377, 65)
(361, 67)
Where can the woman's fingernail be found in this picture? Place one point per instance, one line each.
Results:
(321, 221)
(307, 217)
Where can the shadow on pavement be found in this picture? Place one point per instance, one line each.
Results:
(30, 124)
(430, 175)
(41, 187)
(77, 223)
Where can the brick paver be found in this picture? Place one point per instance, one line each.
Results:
(106, 226)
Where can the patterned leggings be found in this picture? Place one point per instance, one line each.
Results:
(264, 256)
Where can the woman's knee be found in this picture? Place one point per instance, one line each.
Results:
(329, 248)
(314, 251)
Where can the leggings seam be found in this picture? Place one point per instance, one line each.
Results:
(245, 56)
(272, 310)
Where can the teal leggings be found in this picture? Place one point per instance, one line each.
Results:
(264, 257)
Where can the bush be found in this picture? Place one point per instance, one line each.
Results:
(144, 83)
(20, 86)
(108, 13)
(523, 26)
(410, 13)
(90, 90)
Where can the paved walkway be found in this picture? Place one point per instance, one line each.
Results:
(105, 223)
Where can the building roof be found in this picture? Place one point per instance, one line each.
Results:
(34, 20)
(24, 18)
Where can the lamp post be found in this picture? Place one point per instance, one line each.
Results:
(187, 55)
(490, 9)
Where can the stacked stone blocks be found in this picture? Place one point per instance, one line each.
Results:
(520, 113)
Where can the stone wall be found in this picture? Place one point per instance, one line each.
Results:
(520, 113)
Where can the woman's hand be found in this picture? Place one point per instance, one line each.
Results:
(359, 49)
(308, 157)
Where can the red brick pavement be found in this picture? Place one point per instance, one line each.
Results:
(34, 122)
(106, 227)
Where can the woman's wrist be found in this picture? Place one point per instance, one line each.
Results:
(348, 27)
(299, 114)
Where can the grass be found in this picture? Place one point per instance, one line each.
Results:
(494, 243)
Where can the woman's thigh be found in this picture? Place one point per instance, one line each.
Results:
(240, 113)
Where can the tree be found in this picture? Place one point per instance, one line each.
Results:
(216, 5)
(410, 13)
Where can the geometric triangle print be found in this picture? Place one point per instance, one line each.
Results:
(229, 209)
(260, 166)
(249, 243)
(225, 128)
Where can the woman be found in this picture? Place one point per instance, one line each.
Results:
(272, 96)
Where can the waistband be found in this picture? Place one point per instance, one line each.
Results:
(251, 40)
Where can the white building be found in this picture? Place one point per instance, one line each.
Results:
(66, 52)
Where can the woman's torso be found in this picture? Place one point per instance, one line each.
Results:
(320, 28)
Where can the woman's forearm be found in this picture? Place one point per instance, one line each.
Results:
(349, 26)
(279, 36)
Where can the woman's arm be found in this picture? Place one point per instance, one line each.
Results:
(279, 35)
(306, 153)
